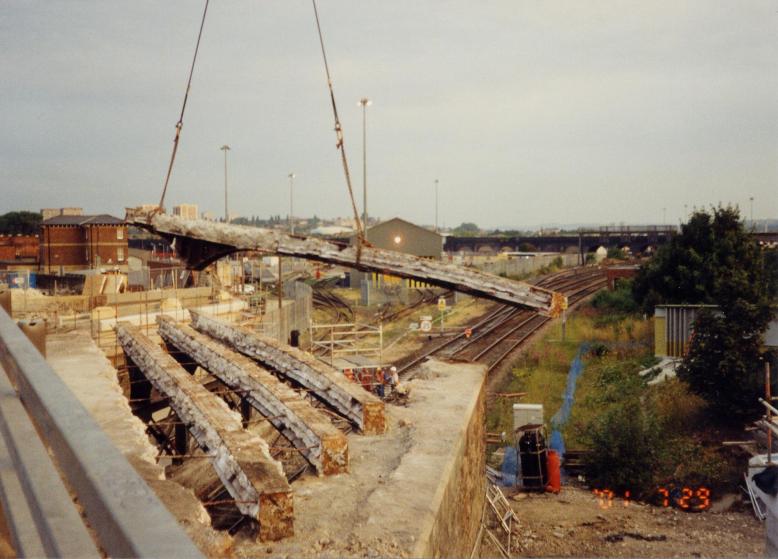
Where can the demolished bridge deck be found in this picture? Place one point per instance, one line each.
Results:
(241, 458)
(308, 429)
(202, 242)
(357, 405)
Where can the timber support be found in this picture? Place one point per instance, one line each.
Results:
(241, 459)
(350, 400)
(308, 429)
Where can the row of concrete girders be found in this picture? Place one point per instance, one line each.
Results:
(308, 429)
(241, 459)
(362, 408)
(368, 259)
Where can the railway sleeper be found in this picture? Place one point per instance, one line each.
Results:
(308, 429)
(240, 458)
(362, 408)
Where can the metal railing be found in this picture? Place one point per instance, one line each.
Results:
(125, 516)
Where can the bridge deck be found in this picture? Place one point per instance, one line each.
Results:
(241, 459)
(202, 242)
(311, 432)
(363, 409)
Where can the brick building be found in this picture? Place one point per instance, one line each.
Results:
(186, 211)
(77, 242)
(19, 247)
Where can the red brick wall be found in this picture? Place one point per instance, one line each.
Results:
(78, 247)
(13, 247)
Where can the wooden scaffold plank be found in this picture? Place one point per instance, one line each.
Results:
(309, 430)
(241, 458)
(349, 399)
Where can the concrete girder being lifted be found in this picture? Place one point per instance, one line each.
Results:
(201, 242)
(309, 430)
(241, 459)
(349, 399)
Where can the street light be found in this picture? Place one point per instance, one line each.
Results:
(751, 200)
(365, 103)
(225, 148)
(436, 205)
(664, 216)
(291, 202)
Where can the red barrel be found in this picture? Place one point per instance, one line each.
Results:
(554, 484)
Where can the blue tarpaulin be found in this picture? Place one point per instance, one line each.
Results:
(510, 467)
(561, 416)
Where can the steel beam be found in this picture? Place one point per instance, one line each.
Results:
(126, 517)
(241, 458)
(225, 238)
(309, 430)
(349, 399)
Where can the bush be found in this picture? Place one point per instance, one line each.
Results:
(620, 300)
(625, 443)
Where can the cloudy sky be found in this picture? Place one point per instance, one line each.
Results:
(528, 112)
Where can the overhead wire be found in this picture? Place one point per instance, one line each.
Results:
(180, 123)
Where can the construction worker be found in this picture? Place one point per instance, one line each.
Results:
(379, 382)
(349, 374)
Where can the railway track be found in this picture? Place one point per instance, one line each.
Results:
(504, 329)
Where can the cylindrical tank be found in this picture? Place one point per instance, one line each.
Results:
(532, 451)
(35, 330)
(554, 484)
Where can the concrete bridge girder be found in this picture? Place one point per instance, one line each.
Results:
(349, 399)
(309, 430)
(201, 242)
(241, 459)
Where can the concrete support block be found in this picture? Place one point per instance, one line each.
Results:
(241, 459)
(363, 409)
(309, 430)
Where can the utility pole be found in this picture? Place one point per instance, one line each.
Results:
(751, 201)
(436, 205)
(225, 148)
(291, 203)
(365, 103)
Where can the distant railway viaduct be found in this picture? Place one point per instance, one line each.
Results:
(638, 239)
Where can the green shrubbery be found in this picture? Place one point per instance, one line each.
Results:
(620, 301)
(643, 436)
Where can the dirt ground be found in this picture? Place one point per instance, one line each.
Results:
(575, 524)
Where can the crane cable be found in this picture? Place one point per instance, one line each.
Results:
(180, 123)
(339, 145)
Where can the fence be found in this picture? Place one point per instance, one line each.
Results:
(521, 265)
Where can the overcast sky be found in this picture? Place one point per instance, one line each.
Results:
(528, 112)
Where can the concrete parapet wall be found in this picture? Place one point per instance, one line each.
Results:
(459, 498)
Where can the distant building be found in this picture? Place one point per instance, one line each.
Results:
(19, 252)
(186, 211)
(48, 213)
(77, 242)
(403, 236)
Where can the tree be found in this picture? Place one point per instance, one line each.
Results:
(715, 261)
(467, 229)
(20, 223)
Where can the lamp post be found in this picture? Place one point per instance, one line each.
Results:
(751, 201)
(664, 217)
(365, 103)
(436, 205)
(291, 202)
(225, 148)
